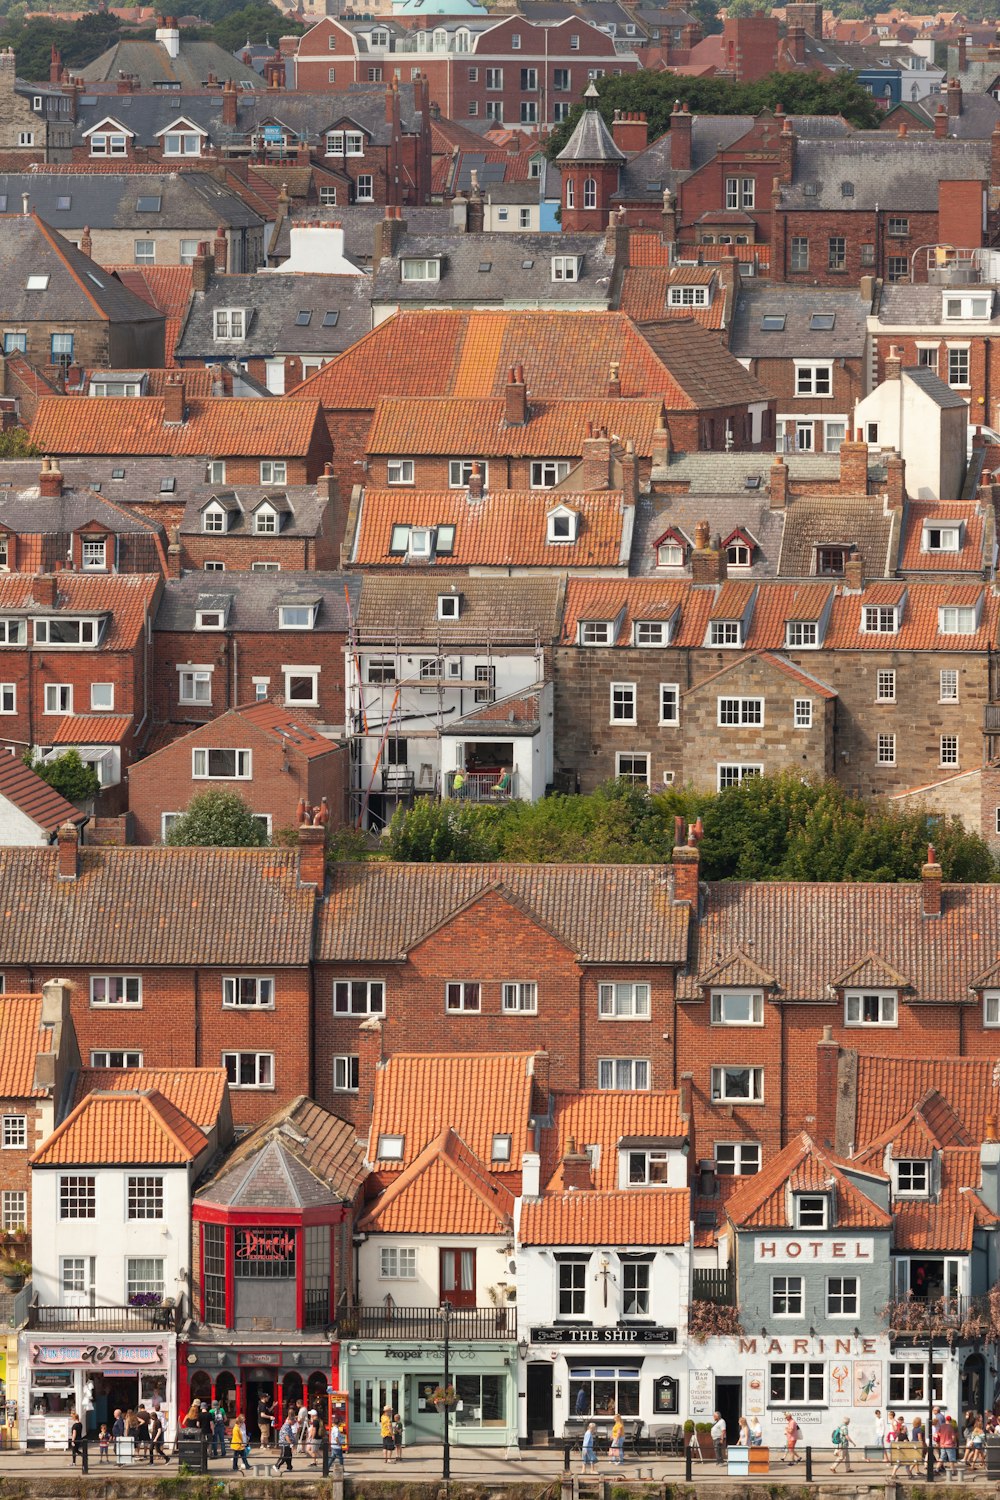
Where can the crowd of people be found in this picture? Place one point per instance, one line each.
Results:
(302, 1430)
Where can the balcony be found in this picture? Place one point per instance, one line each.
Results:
(944, 1320)
(718, 1287)
(88, 1320)
(496, 785)
(427, 1323)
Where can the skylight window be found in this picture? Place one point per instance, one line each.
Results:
(773, 323)
(330, 319)
(822, 322)
(148, 205)
(167, 486)
(303, 319)
(96, 280)
(526, 265)
(485, 265)
(36, 283)
(64, 203)
(117, 473)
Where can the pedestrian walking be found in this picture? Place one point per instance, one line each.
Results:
(617, 1448)
(238, 1443)
(792, 1434)
(397, 1435)
(756, 1432)
(264, 1417)
(156, 1438)
(843, 1442)
(589, 1449)
(743, 1441)
(337, 1444)
(286, 1442)
(718, 1432)
(75, 1436)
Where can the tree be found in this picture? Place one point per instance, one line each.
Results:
(439, 833)
(67, 774)
(740, 8)
(220, 820)
(15, 443)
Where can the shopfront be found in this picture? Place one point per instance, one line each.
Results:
(240, 1374)
(63, 1373)
(637, 1371)
(404, 1375)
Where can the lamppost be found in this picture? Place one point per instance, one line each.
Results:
(446, 1315)
(930, 1401)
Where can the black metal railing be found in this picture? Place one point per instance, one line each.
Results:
(427, 1323)
(104, 1319)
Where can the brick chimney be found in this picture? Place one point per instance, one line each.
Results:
(661, 442)
(708, 560)
(595, 472)
(220, 250)
(827, 1068)
(173, 401)
(787, 142)
(953, 95)
(388, 233)
(684, 1096)
(668, 218)
(963, 47)
(685, 861)
(515, 398)
(371, 1060)
(854, 574)
(893, 363)
(475, 213)
(50, 479)
(854, 467)
(795, 41)
(895, 481)
(312, 856)
(779, 484)
(476, 482)
(940, 122)
(68, 839)
(576, 1173)
(230, 103)
(995, 156)
(328, 489)
(630, 131)
(55, 64)
(614, 380)
(930, 885)
(680, 137)
(43, 590)
(630, 471)
(202, 268)
(86, 243)
(616, 237)
(174, 569)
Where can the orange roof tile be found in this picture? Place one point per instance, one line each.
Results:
(22, 1037)
(290, 726)
(504, 527)
(605, 1118)
(446, 1190)
(762, 1203)
(889, 1087)
(34, 797)
(567, 355)
(124, 1128)
(946, 1222)
(217, 427)
(128, 597)
(654, 1216)
(968, 559)
(649, 249)
(637, 599)
(479, 1095)
(92, 729)
(555, 429)
(644, 298)
(199, 1093)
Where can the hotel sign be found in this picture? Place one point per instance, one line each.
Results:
(785, 1250)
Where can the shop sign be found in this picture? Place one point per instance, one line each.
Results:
(842, 1347)
(701, 1391)
(784, 1251)
(615, 1335)
(48, 1379)
(97, 1355)
(265, 1245)
(261, 1357)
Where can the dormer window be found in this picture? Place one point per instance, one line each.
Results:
(566, 267)
(648, 1168)
(870, 1008)
(266, 521)
(912, 1179)
(182, 141)
(725, 633)
(214, 518)
(687, 296)
(802, 634)
(345, 143)
(940, 536)
(596, 632)
(63, 630)
(879, 619)
(969, 305)
(651, 633)
(449, 606)
(93, 554)
(738, 554)
(830, 561)
(811, 1210)
(562, 525)
(209, 619)
(230, 324)
(671, 550)
(296, 616)
(737, 1008)
(957, 619)
(389, 1148)
(424, 268)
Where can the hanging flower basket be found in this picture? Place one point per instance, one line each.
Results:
(444, 1395)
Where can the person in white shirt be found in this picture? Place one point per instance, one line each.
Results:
(719, 1437)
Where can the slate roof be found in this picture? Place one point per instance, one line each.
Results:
(863, 521)
(477, 1095)
(127, 597)
(468, 354)
(199, 1093)
(498, 267)
(591, 140)
(151, 63)
(273, 1178)
(26, 511)
(25, 790)
(602, 913)
(554, 429)
(892, 171)
(189, 201)
(921, 306)
(502, 611)
(809, 934)
(319, 1143)
(22, 1037)
(798, 306)
(726, 473)
(155, 907)
(213, 427)
(935, 388)
(645, 175)
(748, 512)
(762, 1201)
(359, 221)
(255, 598)
(607, 1118)
(273, 304)
(503, 528)
(78, 290)
(131, 1129)
(447, 1190)
(303, 511)
(661, 1216)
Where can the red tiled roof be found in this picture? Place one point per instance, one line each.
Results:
(198, 1093)
(478, 1095)
(555, 429)
(968, 560)
(22, 1037)
(635, 1216)
(648, 249)
(762, 1203)
(168, 289)
(34, 797)
(603, 1117)
(126, 596)
(124, 1128)
(504, 527)
(644, 298)
(947, 1221)
(889, 1087)
(290, 726)
(446, 1190)
(221, 427)
(568, 355)
(92, 729)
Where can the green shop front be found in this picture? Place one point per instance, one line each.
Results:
(405, 1368)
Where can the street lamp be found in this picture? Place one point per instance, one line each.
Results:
(446, 1315)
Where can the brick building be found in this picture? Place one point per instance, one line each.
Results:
(275, 760)
(221, 642)
(39, 1051)
(219, 978)
(298, 528)
(947, 326)
(51, 520)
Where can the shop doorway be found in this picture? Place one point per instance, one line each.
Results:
(316, 1388)
(255, 1388)
(728, 1400)
(291, 1391)
(225, 1390)
(539, 1401)
(114, 1392)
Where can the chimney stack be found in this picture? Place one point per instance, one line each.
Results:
(515, 397)
(854, 467)
(630, 131)
(595, 472)
(827, 1069)
(68, 838)
(50, 479)
(795, 37)
(576, 1174)
(531, 1175)
(312, 856)
(230, 103)
(930, 884)
(680, 137)
(708, 560)
(940, 122)
(43, 590)
(220, 250)
(854, 576)
(779, 484)
(685, 861)
(893, 363)
(953, 95)
(786, 153)
(630, 472)
(661, 442)
(86, 243)
(202, 268)
(895, 481)
(476, 482)
(173, 401)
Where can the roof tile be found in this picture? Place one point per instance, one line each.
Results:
(636, 1216)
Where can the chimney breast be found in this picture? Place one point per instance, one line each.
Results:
(312, 856)
(685, 861)
(930, 884)
(515, 398)
(50, 479)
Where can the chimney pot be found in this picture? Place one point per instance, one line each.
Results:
(930, 885)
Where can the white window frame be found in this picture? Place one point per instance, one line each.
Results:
(740, 713)
(948, 746)
(880, 619)
(8, 697)
(273, 471)
(814, 378)
(991, 998)
(802, 713)
(201, 761)
(345, 1069)
(397, 1263)
(622, 703)
(15, 1133)
(957, 619)
(102, 1057)
(885, 685)
(303, 674)
(369, 991)
(190, 679)
(614, 1069)
(948, 685)
(670, 703)
(725, 635)
(546, 473)
(719, 1005)
(631, 774)
(624, 1000)
(719, 1093)
(816, 1215)
(787, 1296)
(565, 268)
(910, 1190)
(259, 988)
(802, 635)
(263, 1065)
(13, 1208)
(123, 984)
(467, 995)
(886, 1004)
(738, 1154)
(734, 773)
(144, 1190)
(399, 471)
(519, 997)
(885, 750)
(595, 632)
(229, 325)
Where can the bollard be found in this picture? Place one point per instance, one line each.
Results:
(85, 1455)
(809, 1464)
(688, 1475)
(325, 1446)
(567, 1458)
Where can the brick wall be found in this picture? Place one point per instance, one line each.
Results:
(31, 668)
(237, 658)
(293, 554)
(867, 250)
(16, 1173)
